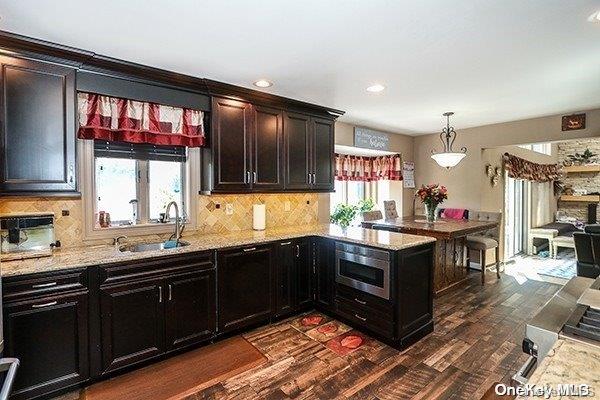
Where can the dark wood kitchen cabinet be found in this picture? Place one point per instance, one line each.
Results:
(37, 129)
(293, 277)
(244, 287)
(191, 309)
(267, 144)
(308, 152)
(324, 279)
(132, 323)
(49, 335)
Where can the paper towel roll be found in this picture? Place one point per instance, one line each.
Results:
(259, 217)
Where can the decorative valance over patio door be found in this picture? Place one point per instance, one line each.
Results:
(356, 168)
(519, 168)
(115, 119)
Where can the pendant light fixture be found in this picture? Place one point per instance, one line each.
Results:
(448, 158)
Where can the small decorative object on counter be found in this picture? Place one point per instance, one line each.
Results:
(344, 214)
(432, 196)
(103, 219)
(134, 204)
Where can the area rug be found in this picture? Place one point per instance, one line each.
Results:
(563, 266)
(182, 375)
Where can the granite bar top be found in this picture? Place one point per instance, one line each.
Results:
(442, 228)
(569, 362)
(76, 257)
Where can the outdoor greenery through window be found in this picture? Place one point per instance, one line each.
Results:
(137, 191)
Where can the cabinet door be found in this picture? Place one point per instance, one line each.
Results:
(324, 253)
(285, 278)
(266, 149)
(322, 154)
(296, 137)
(232, 131)
(244, 286)
(37, 104)
(304, 268)
(190, 308)
(50, 338)
(132, 323)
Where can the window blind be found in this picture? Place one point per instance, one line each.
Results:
(139, 151)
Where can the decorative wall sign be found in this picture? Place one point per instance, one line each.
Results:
(573, 122)
(408, 172)
(370, 139)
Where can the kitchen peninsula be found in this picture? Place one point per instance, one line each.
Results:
(216, 285)
(450, 258)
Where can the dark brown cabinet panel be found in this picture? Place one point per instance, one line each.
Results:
(244, 286)
(37, 104)
(49, 336)
(231, 138)
(323, 169)
(266, 149)
(304, 272)
(297, 144)
(190, 308)
(324, 260)
(285, 278)
(132, 321)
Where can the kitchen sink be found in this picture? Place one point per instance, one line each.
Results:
(140, 247)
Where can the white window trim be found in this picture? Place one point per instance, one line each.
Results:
(87, 179)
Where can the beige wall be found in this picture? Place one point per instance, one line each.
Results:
(464, 182)
(399, 143)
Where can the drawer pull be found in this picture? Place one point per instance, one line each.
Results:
(52, 303)
(360, 301)
(363, 319)
(43, 285)
(286, 243)
(250, 249)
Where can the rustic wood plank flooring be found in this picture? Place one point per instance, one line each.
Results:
(476, 342)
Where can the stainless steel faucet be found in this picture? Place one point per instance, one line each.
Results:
(178, 226)
(117, 240)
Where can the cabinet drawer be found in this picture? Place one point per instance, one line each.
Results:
(365, 300)
(155, 267)
(42, 284)
(363, 317)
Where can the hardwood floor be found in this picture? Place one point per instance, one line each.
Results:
(476, 342)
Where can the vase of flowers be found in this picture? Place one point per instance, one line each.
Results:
(432, 196)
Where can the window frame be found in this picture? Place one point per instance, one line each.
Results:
(87, 168)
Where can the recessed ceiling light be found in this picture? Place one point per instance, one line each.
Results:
(595, 17)
(263, 83)
(375, 88)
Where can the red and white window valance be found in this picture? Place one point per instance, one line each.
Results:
(356, 168)
(123, 120)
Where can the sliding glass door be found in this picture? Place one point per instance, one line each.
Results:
(516, 199)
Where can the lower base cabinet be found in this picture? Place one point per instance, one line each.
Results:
(293, 269)
(49, 336)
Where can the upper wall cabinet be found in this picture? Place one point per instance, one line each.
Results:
(309, 148)
(37, 129)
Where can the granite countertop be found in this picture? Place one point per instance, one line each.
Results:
(76, 257)
(441, 228)
(569, 362)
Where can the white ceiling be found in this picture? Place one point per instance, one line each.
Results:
(489, 61)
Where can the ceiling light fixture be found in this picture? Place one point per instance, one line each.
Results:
(263, 83)
(448, 158)
(375, 88)
(595, 17)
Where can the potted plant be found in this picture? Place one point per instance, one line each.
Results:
(432, 196)
(344, 214)
(587, 157)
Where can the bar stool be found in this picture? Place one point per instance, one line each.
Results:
(484, 241)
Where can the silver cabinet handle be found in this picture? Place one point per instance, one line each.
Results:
(52, 303)
(247, 180)
(250, 249)
(314, 178)
(44, 285)
(170, 292)
(286, 243)
(297, 251)
(160, 294)
(363, 319)
(360, 301)
(254, 177)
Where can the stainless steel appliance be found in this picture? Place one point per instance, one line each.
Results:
(572, 313)
(363, 268)
(27, 235)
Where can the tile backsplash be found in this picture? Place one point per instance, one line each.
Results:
(212, 216)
